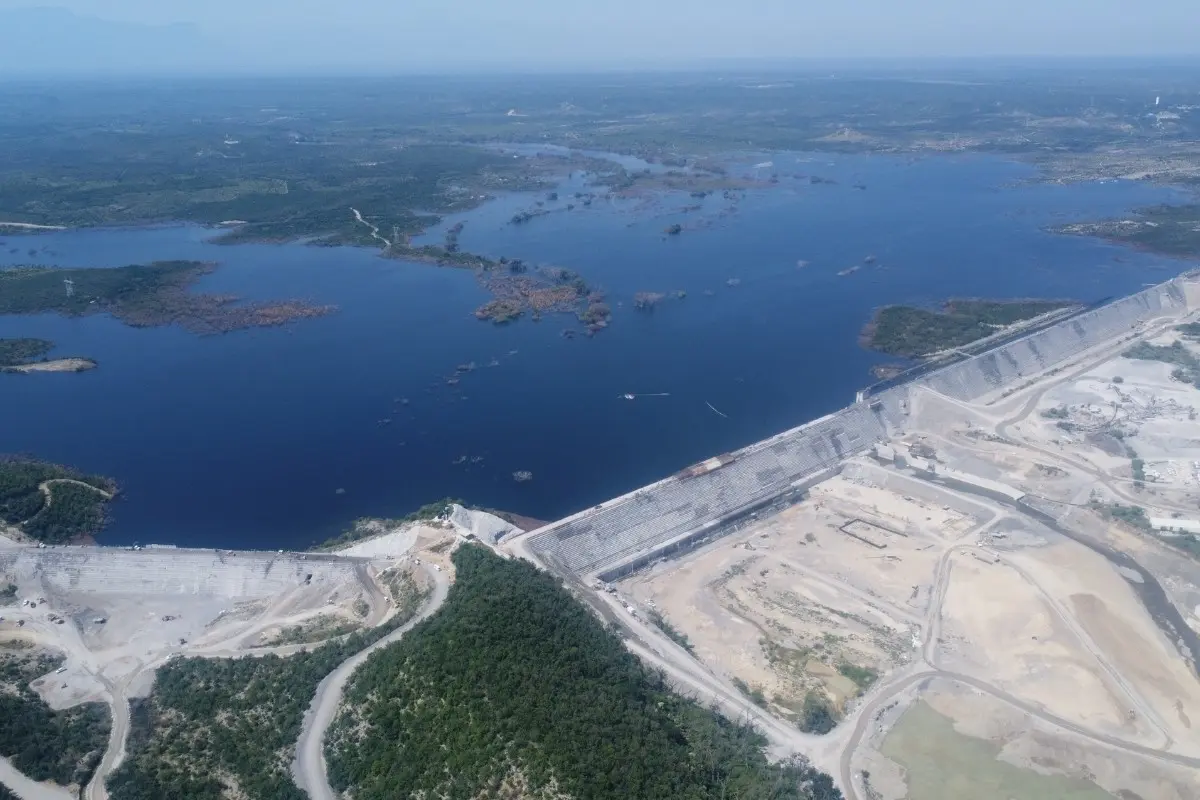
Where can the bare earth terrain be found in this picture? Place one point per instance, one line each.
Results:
(116, 615)
(56, 365)
(980, 605)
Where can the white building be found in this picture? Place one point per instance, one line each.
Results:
(1175, 525)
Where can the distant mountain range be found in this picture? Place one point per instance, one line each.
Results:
(55, 41)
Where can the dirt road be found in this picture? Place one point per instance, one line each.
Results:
(114, 754)
(44, 488)
(27, 789)
(308, 768)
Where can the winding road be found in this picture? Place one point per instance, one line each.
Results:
(374, 229)
(44, 488)
(29, 789)
(309, 769)
(119, 689)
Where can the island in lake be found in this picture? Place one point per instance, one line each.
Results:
(29, 355)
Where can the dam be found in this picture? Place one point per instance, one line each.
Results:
(171, 571)
(612, 538)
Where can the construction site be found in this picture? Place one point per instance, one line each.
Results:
(113, 616)
(982, 582)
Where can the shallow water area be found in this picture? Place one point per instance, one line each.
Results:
(245, 439)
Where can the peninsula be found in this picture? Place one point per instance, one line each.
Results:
(142, 296)
(50, 503)
(1166, 230)
(912, 332)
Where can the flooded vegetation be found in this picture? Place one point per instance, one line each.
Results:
(142, 295)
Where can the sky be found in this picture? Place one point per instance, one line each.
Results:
(432, 35)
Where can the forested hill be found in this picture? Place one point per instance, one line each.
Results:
(514, 689)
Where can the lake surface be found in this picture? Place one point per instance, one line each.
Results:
(245, 439)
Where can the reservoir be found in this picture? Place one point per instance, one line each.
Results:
(276, 438)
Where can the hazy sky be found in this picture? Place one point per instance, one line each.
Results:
(449, 33)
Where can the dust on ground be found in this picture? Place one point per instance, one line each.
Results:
(956, 742)
(826, 596)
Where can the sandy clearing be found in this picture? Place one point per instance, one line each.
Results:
(783, 603)
(1108, 610)
(997, 626)
(1032, 744)
(31, 227)
(56, 365)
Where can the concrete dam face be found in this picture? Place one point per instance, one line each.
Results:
(624, 529)
(98, 570)
(1008, 363)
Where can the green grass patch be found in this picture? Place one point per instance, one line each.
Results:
(863, 677)
(942, 764)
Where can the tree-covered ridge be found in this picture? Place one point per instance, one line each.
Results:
(227, 727)
(514, 682)
(44, 744)
(71, 504)
(911, 331)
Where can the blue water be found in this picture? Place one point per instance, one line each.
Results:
(244, 440)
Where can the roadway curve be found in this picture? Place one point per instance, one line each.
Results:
(871, 709)
(44, 488)
(118, 735)
(926, 668)
(118, 690)
(28, 789)
(308, 768)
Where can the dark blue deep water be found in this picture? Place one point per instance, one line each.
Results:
(244, 440)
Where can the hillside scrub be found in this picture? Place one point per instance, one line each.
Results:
(72, 511)
(514, 683)
(44, 744)
(211, 724)
(14, 352)
(913, 332)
